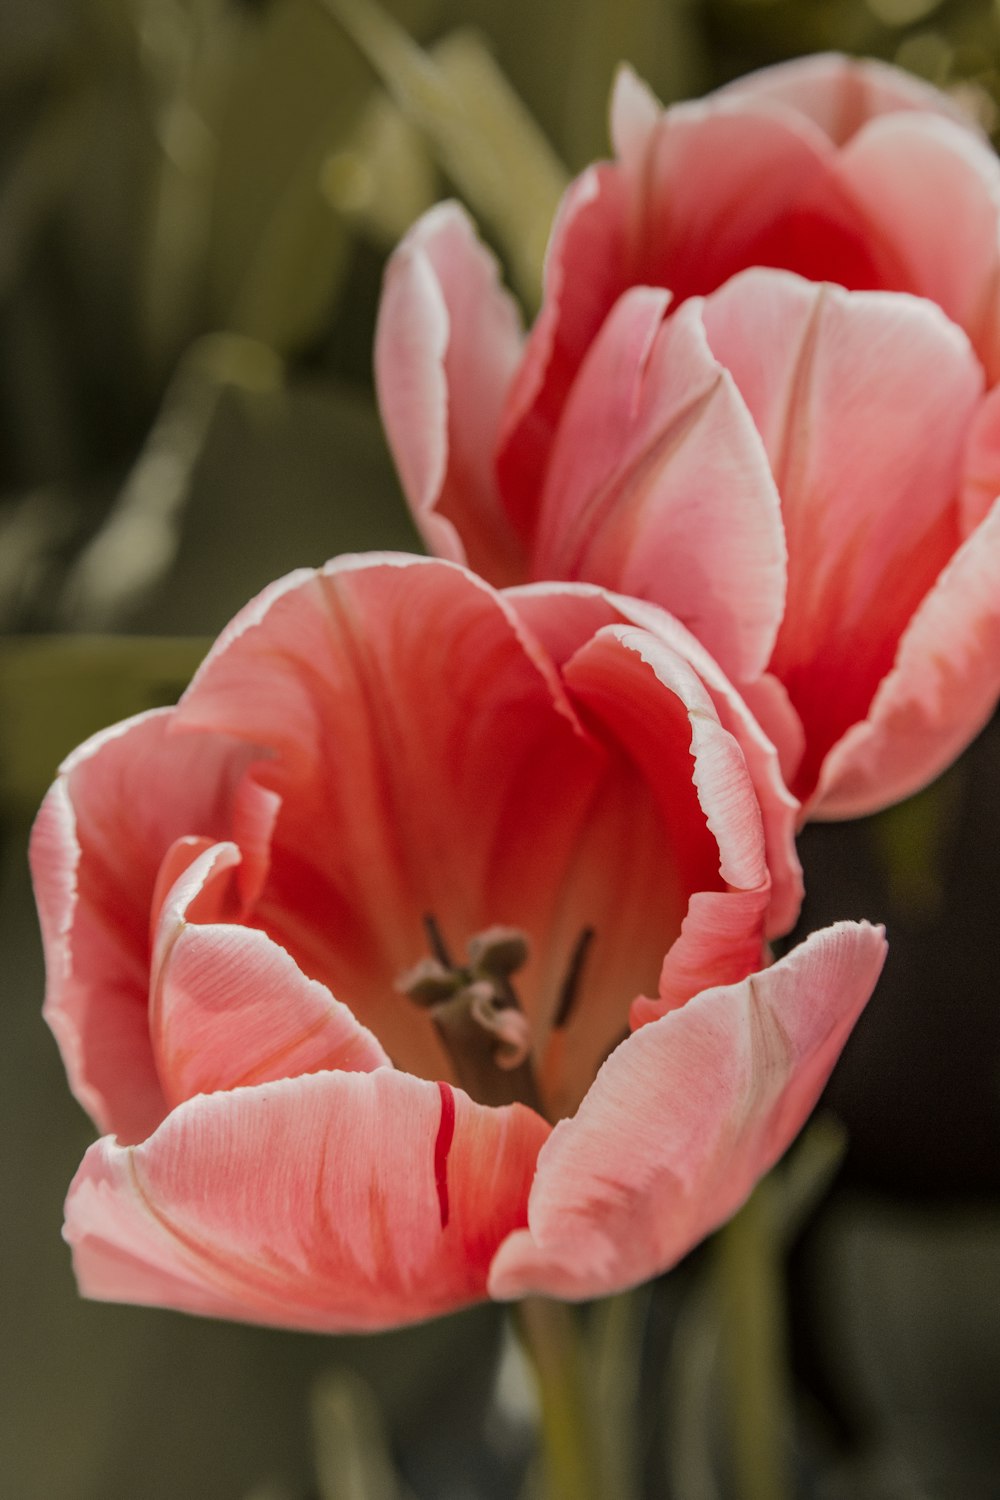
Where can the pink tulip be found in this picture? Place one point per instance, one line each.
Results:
(761, 392)
(324, 1119)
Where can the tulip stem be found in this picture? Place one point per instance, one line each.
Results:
(749, 1283)
(551, 1337)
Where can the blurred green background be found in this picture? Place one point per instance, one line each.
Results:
(196, 201)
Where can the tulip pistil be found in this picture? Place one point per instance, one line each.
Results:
(477, 1015)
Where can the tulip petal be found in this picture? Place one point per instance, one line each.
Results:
(447, 343)
(864, 401)
(684, 1118)
(429, 760)
(119, 804)
(229, 1007)
(585, 271)
(840, 94)
(659, 485)
(981, 475)
(564, 617)
(333, 1202)
(940, 692)
(931, 189)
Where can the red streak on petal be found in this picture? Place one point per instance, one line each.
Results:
(445, 1136)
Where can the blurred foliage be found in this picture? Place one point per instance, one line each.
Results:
(196, 201)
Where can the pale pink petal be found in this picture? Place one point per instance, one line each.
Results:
(447, 343)
(683, 1119)
(634, 114)
(659, 485)
(772, 710)
(940, 692)
(981, 472)
(839, 94)
(864, 401)
(931, 190)
(564, 617)
(334, 1202)
(119, 804)
(229, 1007)
(660, 712)
(585, 271)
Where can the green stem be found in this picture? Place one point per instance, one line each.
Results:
(749, 1279)
(551, 1338)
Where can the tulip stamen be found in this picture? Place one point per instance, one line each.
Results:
(477, 1015)
(436, 942)
(571, 983)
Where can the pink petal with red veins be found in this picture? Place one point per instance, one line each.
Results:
(840, 94)
(717, 187)
(119, 804)
(931, 190)
(229, 1007)
(447, 344)
(659, 485)
(864, 401)
(618, 678)
(586, 269)
(940, 692)
(333, 1202)
(564, 617)
(683, 1119)
(430, 761)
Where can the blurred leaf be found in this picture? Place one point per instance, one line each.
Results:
(188, 51)
(383, 178)
(352, 1452)
(298, 265)
(911, 838)
(32, 529)
(40, 171)
(138, 542)
(749, 1286)
(660, 37)
(55, 691)
(488, 143)
(616, 1341)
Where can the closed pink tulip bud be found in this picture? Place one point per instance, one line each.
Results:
(761, 392)
(418, 956)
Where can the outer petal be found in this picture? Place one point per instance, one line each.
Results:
(942, 688)
(229, 1007)
(585, 271)
(647, 700)
(981, 476)
(334, 1202)
(563, 617)
(447, 342)
(120, 802)
(659, 485)
(683, 1119)
(864, 401)
(673, 212)
(931, 189)
(840, 94)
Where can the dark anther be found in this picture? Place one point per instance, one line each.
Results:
(429, 981)
(498, 952)
(476, 1013)
(436, 942)
(571, 983)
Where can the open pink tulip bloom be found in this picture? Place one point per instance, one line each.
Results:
(761, 392)
(417, 956)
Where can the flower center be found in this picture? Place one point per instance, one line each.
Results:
(477, 1014)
